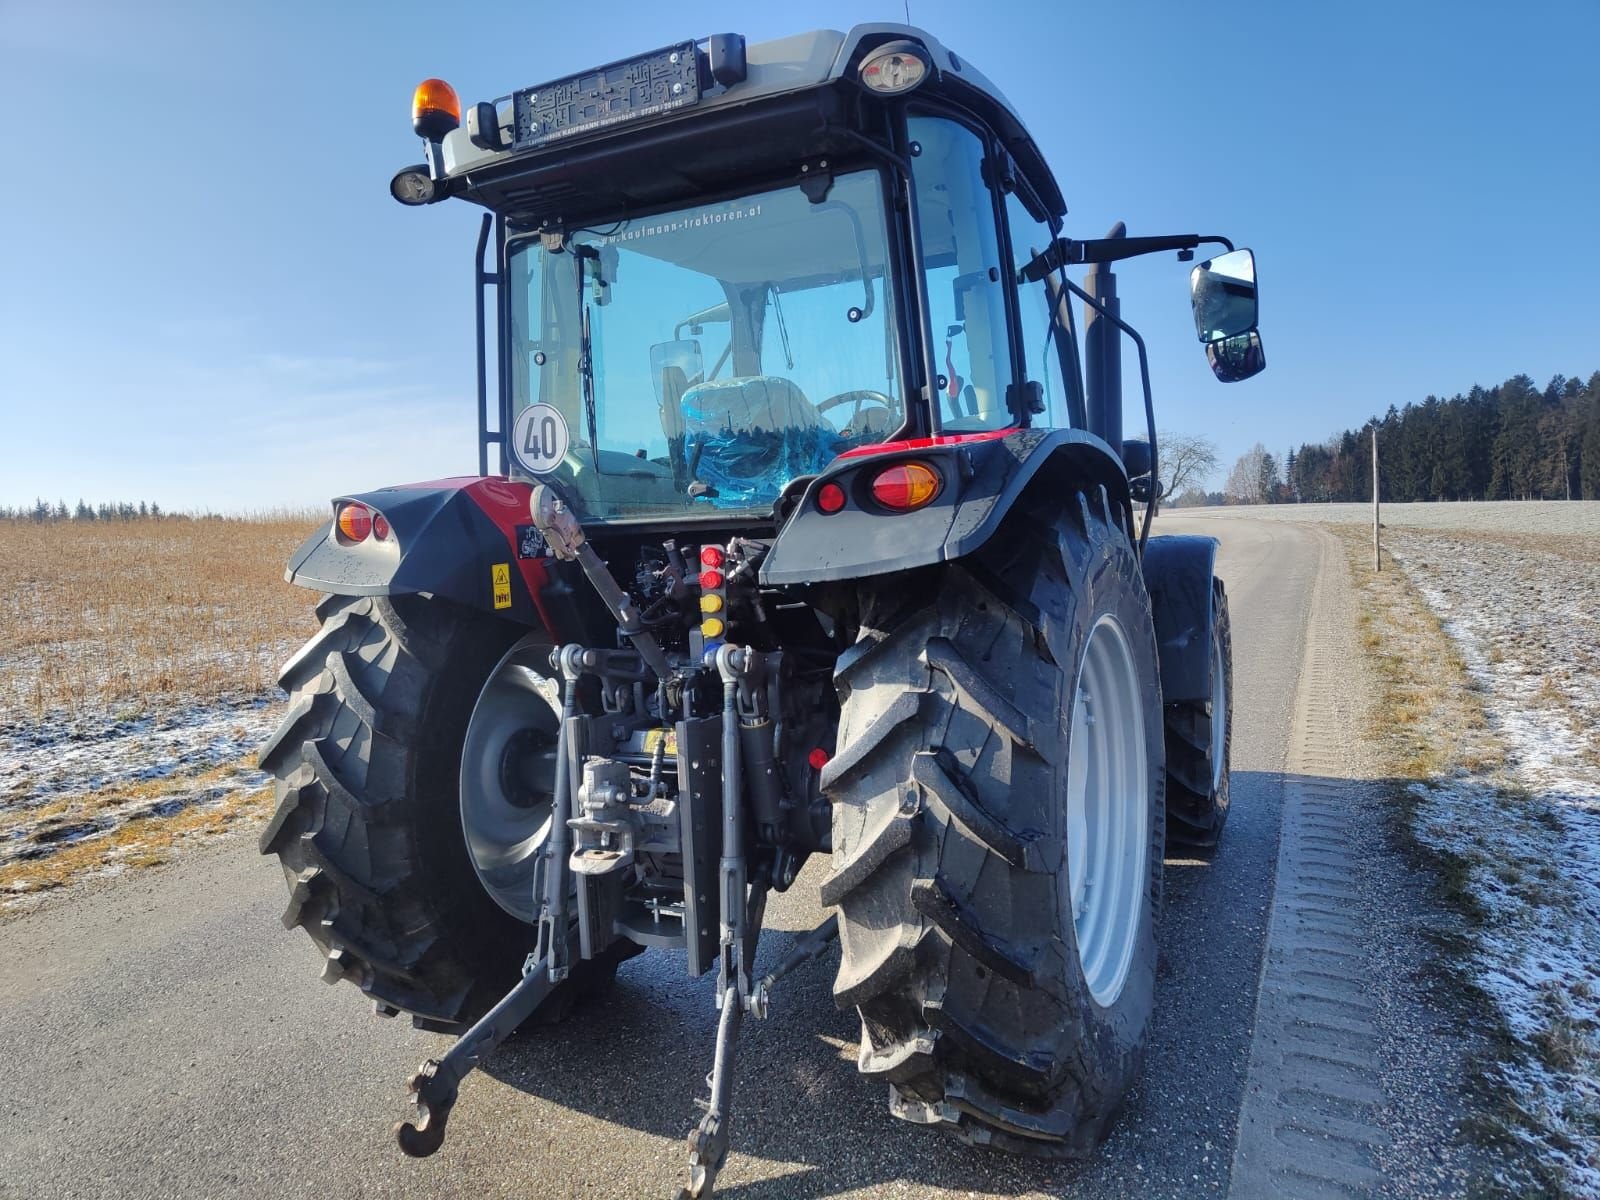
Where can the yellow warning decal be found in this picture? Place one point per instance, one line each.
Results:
(500, 574)
(654, 738)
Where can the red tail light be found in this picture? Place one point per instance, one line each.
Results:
(380, 527)
(906, 486)
(830, 497)
(355, 522)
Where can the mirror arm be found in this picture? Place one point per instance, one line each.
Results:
(1149, 402)
(1065, 252)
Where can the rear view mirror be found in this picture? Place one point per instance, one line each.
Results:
(1223, 293)
(1236, 358)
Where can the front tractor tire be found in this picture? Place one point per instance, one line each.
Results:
(368, 825)
(998, 833)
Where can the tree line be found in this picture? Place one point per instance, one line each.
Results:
(43, 512)
(1510, 442)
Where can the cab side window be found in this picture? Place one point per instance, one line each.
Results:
(966, 275)
(1041, 307)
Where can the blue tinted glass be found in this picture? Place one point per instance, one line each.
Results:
(733, 347)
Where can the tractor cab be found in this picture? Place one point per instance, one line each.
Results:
(722, 266)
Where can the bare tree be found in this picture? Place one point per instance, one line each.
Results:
(1245, 480)
(1186, 462)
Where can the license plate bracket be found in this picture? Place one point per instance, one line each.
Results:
(631, 89)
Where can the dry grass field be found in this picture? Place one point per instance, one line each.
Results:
(137, 613)
(138, 662)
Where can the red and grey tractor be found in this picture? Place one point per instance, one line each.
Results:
(812, 530)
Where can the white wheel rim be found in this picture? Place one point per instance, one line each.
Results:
(507, 773)
(1108, 818)
(1219, 715)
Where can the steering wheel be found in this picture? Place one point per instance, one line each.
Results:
(857, 398)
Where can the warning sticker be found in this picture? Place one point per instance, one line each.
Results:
(539, 438)
(500, 576)
(658, 737)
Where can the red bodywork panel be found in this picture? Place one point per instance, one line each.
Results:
(505, 502)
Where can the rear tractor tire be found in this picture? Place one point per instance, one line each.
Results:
(1200, 743)
(998, 832)
(369, 824)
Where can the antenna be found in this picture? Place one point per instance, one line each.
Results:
(908, 12)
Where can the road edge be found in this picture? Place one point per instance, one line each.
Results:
(1308, 1123)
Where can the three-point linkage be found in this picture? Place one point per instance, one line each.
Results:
(610, 802)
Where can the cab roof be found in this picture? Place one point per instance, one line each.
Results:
(786, 81)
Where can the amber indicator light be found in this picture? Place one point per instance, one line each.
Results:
(355, 522)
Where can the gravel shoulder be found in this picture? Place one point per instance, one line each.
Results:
(1360, 1060)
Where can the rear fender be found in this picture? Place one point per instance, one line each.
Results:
(982, 477)
(1178, 573)
(469, 540)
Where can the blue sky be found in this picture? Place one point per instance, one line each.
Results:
(211, 301)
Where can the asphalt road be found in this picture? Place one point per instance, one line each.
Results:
(164, 1036)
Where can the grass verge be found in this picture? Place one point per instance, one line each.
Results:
(1497, 892)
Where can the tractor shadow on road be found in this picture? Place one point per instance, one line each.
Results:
(806, 1124)
(639, 1058)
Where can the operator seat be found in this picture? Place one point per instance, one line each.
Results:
(768, 403)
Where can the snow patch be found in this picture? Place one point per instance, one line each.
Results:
(66, 777)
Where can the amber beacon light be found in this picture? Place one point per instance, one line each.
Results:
(435, 109)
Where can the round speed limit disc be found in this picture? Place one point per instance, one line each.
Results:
(539, 438)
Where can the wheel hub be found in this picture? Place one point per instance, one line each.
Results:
(507, 776)
(1108, 817)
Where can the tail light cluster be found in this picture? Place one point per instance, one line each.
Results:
(899, 487)
(356, 523)
(713, 594)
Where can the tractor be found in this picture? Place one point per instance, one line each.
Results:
(812, 531)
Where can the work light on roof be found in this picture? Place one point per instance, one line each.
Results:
(413, 186)
(895, 68)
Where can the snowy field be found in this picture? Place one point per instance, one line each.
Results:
(1494, 516)
(1525, 614)
(137, 667)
